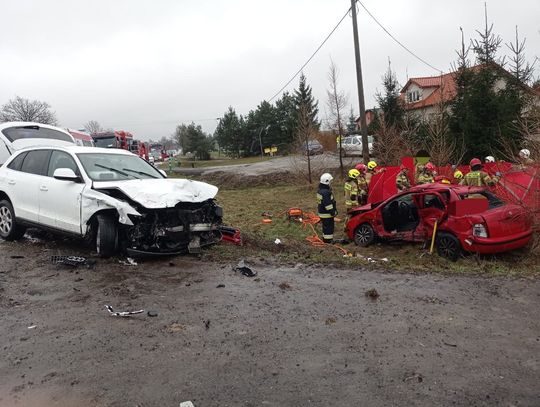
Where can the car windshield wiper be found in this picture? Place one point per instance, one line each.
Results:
(125, 174)
(139, 172)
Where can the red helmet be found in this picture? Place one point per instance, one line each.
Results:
(361, 167)
(475, 161)
(430, 167)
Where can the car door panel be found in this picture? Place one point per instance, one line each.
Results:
(60, 200)
(25, 183)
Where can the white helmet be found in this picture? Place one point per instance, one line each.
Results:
(490, 159)
(525, 153)
(326, 178)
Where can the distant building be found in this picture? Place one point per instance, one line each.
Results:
(422, 95)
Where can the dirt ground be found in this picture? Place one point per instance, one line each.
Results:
(292, 336)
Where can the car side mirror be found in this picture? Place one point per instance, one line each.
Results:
(163, 173)
(66, 174)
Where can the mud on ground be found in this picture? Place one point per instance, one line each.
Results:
(291, 336)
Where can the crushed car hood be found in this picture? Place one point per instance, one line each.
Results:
(162, 193)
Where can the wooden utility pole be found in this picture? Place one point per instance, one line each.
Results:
(360, 83)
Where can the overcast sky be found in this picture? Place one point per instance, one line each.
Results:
(145, 66)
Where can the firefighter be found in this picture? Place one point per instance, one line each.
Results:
(477, 177)
(326, 206)
(371, 170)
(363, 187)
(425, 174)
(351, 189)
(458, 176)
(402, 179)
(525, 157)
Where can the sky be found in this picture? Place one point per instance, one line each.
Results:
(146, 66)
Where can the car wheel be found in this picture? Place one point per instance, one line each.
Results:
(364, 235)
(9, 229)
(106, 236)
(448, 246)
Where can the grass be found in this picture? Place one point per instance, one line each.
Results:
(243, 209)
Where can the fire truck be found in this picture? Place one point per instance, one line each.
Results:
(121, 139)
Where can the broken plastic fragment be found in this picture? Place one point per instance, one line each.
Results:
(122, 313)
(129, 262)
(277, 241)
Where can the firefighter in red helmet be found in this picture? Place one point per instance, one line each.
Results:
(476, 177)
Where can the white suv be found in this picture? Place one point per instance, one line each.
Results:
(109, 196)
(352, 145)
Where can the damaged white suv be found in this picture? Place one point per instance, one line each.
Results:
(108, 196)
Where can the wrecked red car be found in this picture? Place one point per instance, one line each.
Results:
(469, 219)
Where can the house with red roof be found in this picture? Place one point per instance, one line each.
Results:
(423, 95)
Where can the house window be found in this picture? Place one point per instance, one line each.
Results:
(413, 96)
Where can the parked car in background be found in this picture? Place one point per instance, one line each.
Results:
(352, 145)
(111, 197)
(15, 136)
(312, 147)
(469, 219)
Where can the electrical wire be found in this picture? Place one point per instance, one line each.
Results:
(396, 40)
(312, 56)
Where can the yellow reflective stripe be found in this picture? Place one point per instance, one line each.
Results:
(327, 236)
(325, 215)
(347, 187)
(329, 207)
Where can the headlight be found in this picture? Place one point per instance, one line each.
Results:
(479, 230)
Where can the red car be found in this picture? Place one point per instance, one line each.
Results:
(470, 219)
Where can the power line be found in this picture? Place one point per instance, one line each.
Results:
(396, 40)
(311, 57)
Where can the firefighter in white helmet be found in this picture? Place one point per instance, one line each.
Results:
(326, 207)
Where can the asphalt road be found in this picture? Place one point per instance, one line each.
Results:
(322, 162)
(292, 336)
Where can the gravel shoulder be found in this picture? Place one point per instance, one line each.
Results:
(294, 335)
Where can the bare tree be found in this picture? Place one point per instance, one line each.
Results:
(337, 101)
(93, 126)
(443, 149)
(391, 144)
(25, 110)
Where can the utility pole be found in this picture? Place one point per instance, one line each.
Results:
(360, 83)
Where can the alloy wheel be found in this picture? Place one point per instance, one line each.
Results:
(6, 220)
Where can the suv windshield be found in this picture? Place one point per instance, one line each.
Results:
(29, 132)
(116, 167)
(105, 142)
(493, 200)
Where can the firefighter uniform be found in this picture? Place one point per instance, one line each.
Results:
(424, 178)
(402, 181)
(326, 207)
(477, 179)
(363, 187)
(351, 193)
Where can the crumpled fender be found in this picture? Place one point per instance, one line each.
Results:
(94, 201)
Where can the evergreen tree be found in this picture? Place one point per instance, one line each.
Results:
(230, 133)
(483, 114)
(351, 123)
(392, 109)
(192, 139)
(303, 96)
(286, 121)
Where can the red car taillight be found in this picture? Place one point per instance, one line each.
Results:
(480, 230)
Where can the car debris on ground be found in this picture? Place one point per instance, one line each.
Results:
(114, 313)
(129, 262)
(244, 270)
(74, 261)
